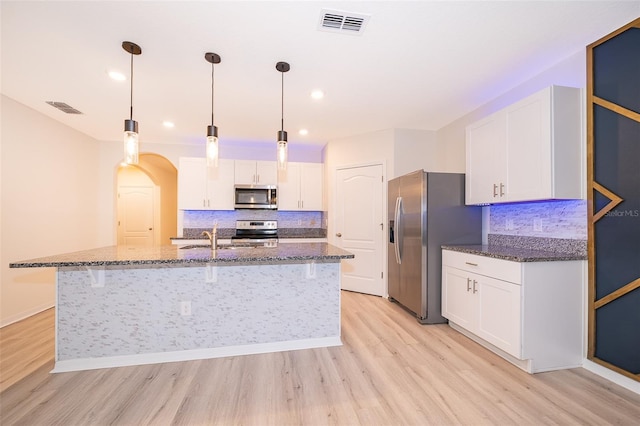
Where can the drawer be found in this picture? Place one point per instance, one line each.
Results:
(505, 270)
(301, 240)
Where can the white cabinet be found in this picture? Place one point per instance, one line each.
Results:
(528, 151)
(205, 188)
(300, 187)
(528, 312)
(486, 159)
(485, 306)
(249, 172)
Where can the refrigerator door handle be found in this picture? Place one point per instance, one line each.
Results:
(398, 242)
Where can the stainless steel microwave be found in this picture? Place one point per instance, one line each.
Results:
(256, 197)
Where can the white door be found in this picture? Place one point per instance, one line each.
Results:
(360, 227)
(135, 215)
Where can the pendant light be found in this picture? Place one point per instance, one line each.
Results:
(131, 126)
(212, 131)
(282, 135)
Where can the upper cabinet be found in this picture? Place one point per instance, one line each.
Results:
(528, 151)
(300, 187)
(250, 172)
(205, 188)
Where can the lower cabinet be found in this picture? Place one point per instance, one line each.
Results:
(530, 313)
(485, 306)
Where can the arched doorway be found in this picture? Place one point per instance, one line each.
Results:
(147, 202)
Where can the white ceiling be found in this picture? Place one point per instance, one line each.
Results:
(417, 64)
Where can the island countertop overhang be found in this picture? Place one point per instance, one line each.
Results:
(173, 255)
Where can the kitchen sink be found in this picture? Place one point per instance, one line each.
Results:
(222, 247)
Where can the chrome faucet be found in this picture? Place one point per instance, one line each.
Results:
(213, 238)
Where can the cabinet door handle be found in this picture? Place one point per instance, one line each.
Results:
(204, 202)
(338, 235)
(475, 290)
(258, 179)
(302, 204)
(495, 190)
(501, 189)
(472, 264)
(468, 284)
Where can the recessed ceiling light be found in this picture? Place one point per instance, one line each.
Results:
(117, 76)
(169, 124)
(303, 132)
(317, 94)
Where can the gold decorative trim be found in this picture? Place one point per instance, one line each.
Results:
(615, 200)
(617, 108)
(592, 186)
(635, 376)
(616, 294)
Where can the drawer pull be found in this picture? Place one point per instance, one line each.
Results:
(472, 264)
(468, 284)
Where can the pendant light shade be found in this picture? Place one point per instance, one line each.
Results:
(212, 130)
(282, 152)
(131, 126)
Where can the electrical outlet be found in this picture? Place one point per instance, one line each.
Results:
(509, 225)
(299, 222)
(310, 270)
(537, 225)
(185, 308)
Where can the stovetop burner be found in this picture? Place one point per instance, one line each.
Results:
(257, 231)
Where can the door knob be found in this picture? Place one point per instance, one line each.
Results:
(338, 235)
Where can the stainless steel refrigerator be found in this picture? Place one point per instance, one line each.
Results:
(425, 211)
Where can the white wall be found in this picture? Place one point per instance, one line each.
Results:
(451, 138)
(48, 202)
(414, 150)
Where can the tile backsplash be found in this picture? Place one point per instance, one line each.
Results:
(313, 224)
(565, 219)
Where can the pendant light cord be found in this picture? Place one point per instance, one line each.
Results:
(212, 93)
(131, 92)
(282, 103)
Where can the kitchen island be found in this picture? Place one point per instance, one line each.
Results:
(126, 305)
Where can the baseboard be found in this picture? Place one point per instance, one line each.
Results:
(617, 378)
(520, 363)
(191, 355)
(25, 314)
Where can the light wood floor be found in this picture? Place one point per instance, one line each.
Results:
(390, 370)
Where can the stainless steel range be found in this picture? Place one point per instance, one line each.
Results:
(256, 233)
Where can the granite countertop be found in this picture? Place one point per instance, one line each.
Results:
(224, 233)
(172, 254)
(516, 254)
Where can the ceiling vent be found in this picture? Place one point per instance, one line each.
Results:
(64, 107)
(337, 21)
